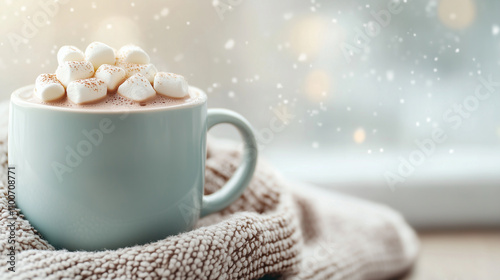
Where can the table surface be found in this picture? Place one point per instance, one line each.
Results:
(458, 255)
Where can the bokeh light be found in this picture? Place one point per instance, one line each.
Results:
(359, 135)
(122, 29)
(308, 35)
(317, 85)
(457, 14)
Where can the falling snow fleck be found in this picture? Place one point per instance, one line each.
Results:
(178, 57)
(302, 57)
(389, 75)
(495, 29)
(279, 85)
(287, 16)
(164, 12)
(229, 44)
(230, 94)
(315, 145)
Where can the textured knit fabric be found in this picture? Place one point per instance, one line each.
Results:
(276, 229)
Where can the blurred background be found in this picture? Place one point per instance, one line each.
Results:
(341, 93)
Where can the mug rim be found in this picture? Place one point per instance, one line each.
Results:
(15, 99)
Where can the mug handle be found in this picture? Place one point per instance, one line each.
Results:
(242, 176)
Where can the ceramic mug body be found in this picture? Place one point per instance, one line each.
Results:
(103, 180)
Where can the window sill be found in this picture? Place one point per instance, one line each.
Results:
(447, 191)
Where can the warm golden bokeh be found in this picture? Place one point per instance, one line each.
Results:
(359, 135)
(123, 30)
(308, 35)
(317, 85)
(457, 14)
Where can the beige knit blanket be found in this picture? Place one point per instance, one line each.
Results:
(276, 229)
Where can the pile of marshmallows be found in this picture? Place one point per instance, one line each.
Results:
(87, 77)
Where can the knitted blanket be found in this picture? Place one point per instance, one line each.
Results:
(276, 229)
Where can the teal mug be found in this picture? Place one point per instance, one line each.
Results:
(95, 180)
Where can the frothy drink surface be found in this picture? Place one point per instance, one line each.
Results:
(116, 102)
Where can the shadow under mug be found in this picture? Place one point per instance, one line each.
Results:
(95, 180)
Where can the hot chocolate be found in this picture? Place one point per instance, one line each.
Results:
(105, 79)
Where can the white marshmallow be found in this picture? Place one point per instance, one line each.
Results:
(99, 53)
(147, 70)
(137, 88)
(112, 75)
(70, 71)
(86, 91)
(132, 54)
(69, 53)
(48, 88)
(171, 85)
